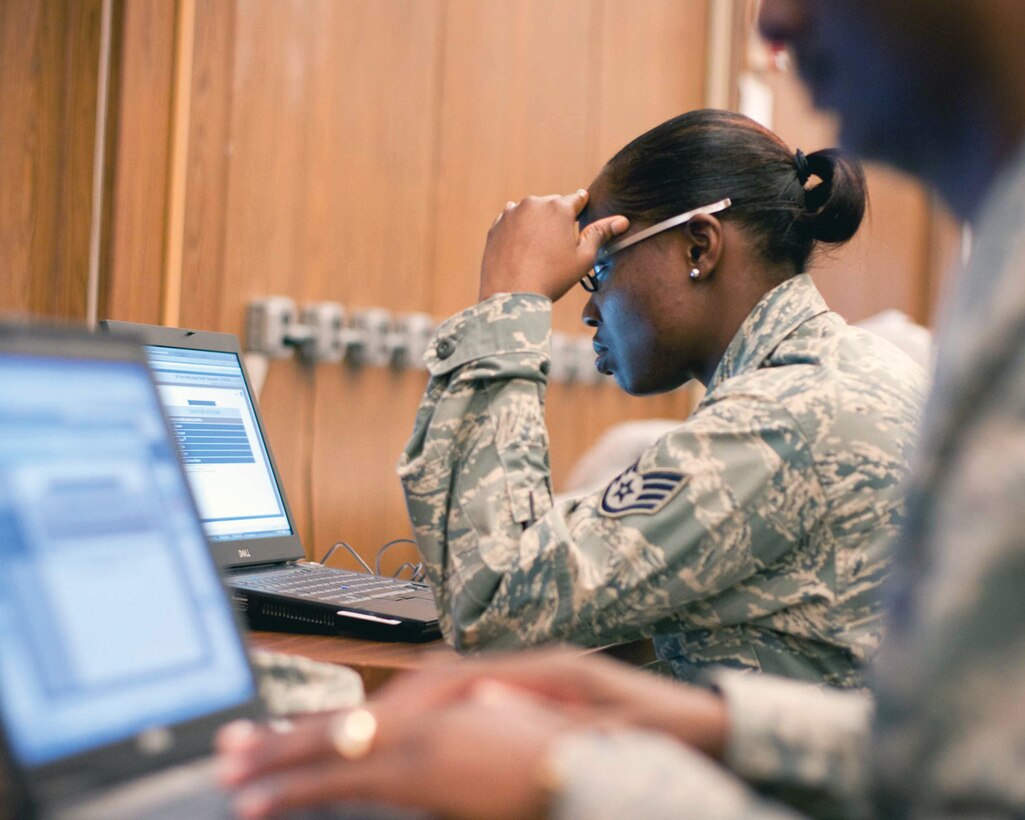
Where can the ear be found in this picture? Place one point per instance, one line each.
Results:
(703, 244)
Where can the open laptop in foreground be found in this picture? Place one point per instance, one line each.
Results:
(207, 397)
(120, 654)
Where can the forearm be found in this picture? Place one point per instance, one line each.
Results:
(507, 568)
(475, 472)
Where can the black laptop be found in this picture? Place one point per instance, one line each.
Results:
(207, 397)
(120, 654)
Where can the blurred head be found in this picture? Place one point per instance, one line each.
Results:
(658, 325)
(931, 87)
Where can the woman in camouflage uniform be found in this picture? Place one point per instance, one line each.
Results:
(756, 534)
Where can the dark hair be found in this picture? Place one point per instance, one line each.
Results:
(706, 155)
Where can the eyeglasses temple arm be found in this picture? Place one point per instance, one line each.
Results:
(665, 225)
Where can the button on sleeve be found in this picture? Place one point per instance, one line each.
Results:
(444, 348)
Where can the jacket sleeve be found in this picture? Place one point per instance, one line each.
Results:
(805, 743)
(796, 750)
(624, 773)
(508, 568)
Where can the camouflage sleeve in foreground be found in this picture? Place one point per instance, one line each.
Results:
(617, 774)
(293, 685)
(805, 744)
(510, 569)
(794, 747)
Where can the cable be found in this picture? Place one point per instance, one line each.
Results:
(352, 552)
(387, 547)
(418, 571)
(411, 565)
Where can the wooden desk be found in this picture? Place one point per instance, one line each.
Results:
(376, 661)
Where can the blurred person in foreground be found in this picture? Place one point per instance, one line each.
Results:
(935, 89)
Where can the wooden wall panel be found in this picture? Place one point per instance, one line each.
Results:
(374, 124)
(361, 423)
(204, 292)
(49, 58)
(880, 268)
(266, 205)
(141, 98)
(514, 121)
(652, 64)
(369, 241)
(268, 149)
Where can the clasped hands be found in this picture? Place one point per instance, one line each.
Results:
(464, 740)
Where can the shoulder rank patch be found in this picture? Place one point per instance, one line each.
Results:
(637, 493)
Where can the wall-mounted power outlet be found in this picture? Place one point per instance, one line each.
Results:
(319, 331)
(270, 326)
(324, 322)
(374, 337)
(407, 342)
(370, 328)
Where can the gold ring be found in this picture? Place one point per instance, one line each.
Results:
(352, 733)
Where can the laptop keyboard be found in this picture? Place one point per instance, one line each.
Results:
(327, 585)
(182, 792)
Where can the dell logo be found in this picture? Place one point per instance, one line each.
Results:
(154, 741)
(244, 553)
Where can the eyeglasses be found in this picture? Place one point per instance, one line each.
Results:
(592, 280)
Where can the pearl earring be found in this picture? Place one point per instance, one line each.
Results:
(694, 273)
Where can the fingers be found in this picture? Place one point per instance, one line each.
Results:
(576, 200)
(315, 784)
(536, 246)
(599, 233)
(508, 207)
(573, 202)
(555, 672)
(248, 750)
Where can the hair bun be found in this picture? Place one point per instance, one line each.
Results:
(834, 208)
(705, 155)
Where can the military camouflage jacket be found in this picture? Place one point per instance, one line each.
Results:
(754, 535)
(948, 738)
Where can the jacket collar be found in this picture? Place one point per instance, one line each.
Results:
(777, 314)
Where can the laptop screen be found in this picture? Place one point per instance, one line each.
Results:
(212, 416)
(112, 616)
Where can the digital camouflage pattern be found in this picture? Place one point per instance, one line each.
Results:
(754, 535)
(293, 685)
(797, 744)
(948, 738)
(804, 745)
(616, 774)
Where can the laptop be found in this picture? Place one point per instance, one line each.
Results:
(207, 396)
(120, 652)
